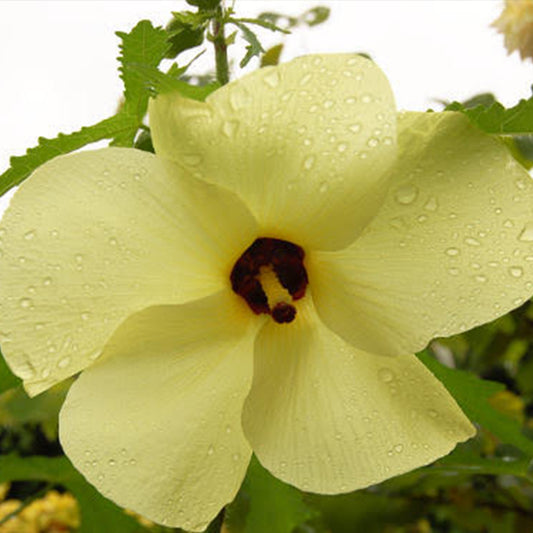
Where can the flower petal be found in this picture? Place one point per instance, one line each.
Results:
(451, 248)
(306, 144)
(91, 238)
(155, 424)
(329, 418)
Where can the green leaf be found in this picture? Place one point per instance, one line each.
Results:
(204, 5)
(98, 514)
(271, 56)
(278, 18)
(144, 45)
(161, 83)
(495, 118)
(315, 16)
(17, 407)
(266, 505)
(8, 380)
(472, 394)
(260, 22)
(22, 166)
(254, 48)
(183, 39)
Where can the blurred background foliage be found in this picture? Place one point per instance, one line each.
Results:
(485, 485)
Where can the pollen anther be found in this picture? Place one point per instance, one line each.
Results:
(285, 260)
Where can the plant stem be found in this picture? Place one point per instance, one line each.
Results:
(25, 503)
(221, 49)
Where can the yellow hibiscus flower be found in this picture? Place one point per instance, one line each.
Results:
(261, 284)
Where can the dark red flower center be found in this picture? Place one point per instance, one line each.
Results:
(286, 261)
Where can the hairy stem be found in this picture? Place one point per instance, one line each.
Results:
(221, 49)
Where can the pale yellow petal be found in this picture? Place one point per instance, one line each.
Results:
(451, 248)
(306, 144)
(328, 418)
(155, 423)
(91, 238)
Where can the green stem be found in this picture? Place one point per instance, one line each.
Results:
(25, 503)
(221, 48)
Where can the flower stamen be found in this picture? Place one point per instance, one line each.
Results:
(270, 263)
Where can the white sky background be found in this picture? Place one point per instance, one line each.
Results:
(59, 72)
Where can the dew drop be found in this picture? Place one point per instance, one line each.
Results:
(229, 128)
(526, 235)
(453, 271)
(113, 241)
(192, 159)
(306, 79)
(29, 235)
(481, 278)
(472, 242)
(406, 195)
(521, 184)
(85, 315)
(210, 450)
(386, 375)
(432, 413)
(372, 142)
(309, 162)
(95, 355)
(398, 448)
(342, 147)
(45, 373)
(236, 456)
(452, 252)
(328, 104)
(111, 462)
(516, 271)
(64, 362)
(355, 128)
(323, 188)
(366, 98)
(351, 100)
(272, 79)
(431, 204)
(25, 303)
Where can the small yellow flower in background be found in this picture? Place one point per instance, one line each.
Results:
(261, 284)
(516, 24)
(54, 513)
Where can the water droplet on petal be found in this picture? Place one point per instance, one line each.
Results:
(526, 234)
(272, 79)
(26, 303)
(406, 195)
(306, 79)
(210, 450)
(386, 375)
(452, 252)
(309, 162)
(192, 159)
(229, 128)
(29, 235)
(472, 242)
(431, 204)
(324, 186)
(516, 271)
(355, 128)
(64, 362)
